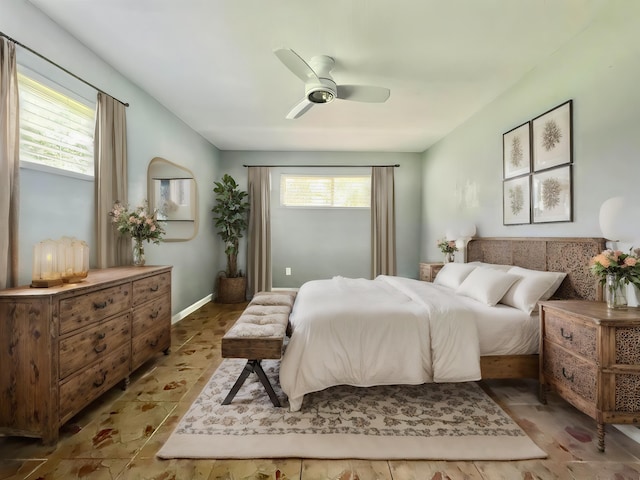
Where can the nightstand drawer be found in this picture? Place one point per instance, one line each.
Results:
(428, 271)
(570, 371)
(572, 335)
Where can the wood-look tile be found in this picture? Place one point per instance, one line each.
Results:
(527, 469)
(18, 469)
(167, 384)
(156, 469)
(119, 433)
(266, 469)
(69, 469)
(431, 470)
(345, 470)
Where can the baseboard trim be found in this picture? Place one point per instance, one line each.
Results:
(190, 309)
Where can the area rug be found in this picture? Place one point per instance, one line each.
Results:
(454, 421)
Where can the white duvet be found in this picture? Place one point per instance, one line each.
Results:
(390, 330)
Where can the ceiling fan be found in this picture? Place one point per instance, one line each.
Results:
(319, 87)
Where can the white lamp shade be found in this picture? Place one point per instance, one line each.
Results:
(619, 220)
(467, 230)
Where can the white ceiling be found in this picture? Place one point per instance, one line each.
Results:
(211, 62)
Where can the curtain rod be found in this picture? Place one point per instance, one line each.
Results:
(60, 67)
(322, 166)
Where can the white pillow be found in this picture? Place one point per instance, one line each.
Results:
(531, 287)
(452, 274)
(487, 285)
(495, 266)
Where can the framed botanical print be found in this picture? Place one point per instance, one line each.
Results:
(516, 204)
(552, 137)
(516, 151)
(552, 195)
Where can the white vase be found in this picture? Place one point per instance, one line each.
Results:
(449, 257)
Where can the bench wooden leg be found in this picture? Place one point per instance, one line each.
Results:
(250, 367)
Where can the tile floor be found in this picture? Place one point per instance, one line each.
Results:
(118, 435)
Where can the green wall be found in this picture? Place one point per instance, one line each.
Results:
(600, 70)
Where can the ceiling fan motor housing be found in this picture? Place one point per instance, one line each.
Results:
(322, 90)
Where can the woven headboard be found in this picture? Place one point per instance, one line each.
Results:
(570, 255)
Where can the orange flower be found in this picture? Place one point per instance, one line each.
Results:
(630, 261)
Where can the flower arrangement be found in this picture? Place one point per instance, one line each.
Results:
(137, 223)
(624, 266)
(447, 246)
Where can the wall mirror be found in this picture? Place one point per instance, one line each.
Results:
(173, 192)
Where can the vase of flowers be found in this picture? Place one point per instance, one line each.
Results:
(615, 270)
(448, 247)
(140, 225)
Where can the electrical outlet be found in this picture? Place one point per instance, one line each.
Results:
(287, 271)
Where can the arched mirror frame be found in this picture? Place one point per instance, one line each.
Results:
(180, 213)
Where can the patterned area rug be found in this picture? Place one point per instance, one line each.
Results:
(431, 422)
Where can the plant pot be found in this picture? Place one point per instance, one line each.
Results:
(232, 290)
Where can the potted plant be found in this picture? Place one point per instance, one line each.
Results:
(231, 219)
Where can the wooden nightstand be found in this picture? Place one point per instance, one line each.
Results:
(428, 271)
(590, 355)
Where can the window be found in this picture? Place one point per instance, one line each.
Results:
(55, 130)
(325, 191)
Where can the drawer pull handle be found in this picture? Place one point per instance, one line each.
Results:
(154, 289)
(100, 382)
(567, 336)
(154, 343)
(155, 314)
(564, 374)
(101, 336)
(99, 306)
(100, 349)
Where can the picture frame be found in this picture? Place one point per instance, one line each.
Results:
(516, 151)
(516, 200)
(552, 195)
(552, 140)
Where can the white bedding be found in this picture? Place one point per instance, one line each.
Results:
(390, 330)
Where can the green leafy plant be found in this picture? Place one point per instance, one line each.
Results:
(231, 219)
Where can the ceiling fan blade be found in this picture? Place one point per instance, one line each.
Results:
(295, 63)
(299, 109)
(363, 93)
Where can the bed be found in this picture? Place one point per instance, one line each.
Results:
(394, 330)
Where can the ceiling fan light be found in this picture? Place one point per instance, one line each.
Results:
(320, 96)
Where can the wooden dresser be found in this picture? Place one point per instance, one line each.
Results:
(590, 355)
(428, 271)
(62, 347)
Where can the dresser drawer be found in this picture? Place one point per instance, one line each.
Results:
(570, 371)
(151, 315)
(88, 384)
(146, 345)
(92, 344)
(151, 287)
(572, 335)
(83, 310)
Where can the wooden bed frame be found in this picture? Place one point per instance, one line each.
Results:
(557, 254)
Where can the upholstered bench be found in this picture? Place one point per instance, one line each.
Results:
(258, 334)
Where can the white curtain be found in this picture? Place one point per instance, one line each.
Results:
(259, 245)
(383, 222)
(9, 164)
(110, 147)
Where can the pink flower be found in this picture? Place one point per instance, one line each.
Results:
(153, 228)
(630, 261)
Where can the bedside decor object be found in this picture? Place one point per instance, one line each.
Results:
(139, 225)
(552, 137)
(615, 270)
(59, 261)
(448, 247)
